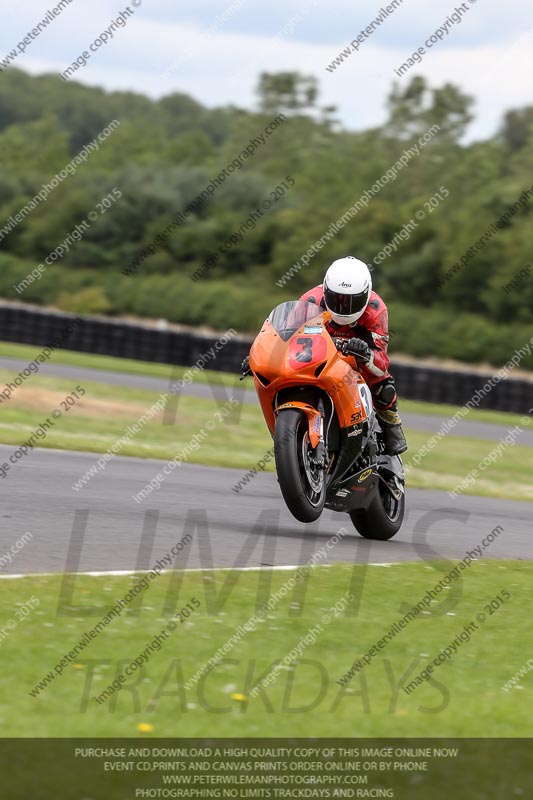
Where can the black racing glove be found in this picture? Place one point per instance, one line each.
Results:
(358, 348)
(245, 367)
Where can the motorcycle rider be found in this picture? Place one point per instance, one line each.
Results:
(359, 317)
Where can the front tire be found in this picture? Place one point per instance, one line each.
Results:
(302, 484)
(383, 518)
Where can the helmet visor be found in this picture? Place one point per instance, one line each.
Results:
(345, 305)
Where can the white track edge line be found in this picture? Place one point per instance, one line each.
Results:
(125, 572)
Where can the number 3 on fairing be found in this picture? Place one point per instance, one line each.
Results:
(307, 350)
(305, 355)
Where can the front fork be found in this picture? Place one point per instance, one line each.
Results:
(315, 419)
(319, 457)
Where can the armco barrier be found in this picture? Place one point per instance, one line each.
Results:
(158, 342)
(168, 344)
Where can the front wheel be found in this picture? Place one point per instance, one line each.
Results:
(302, 483)
(383, 518)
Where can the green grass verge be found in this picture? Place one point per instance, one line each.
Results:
(464, 698)
(106, 412)
(110, 363)
(125, 365)
(454, 458)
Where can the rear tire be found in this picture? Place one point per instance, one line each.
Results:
(382, 519)
(303, 486)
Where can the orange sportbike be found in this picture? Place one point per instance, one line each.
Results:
(328, 447)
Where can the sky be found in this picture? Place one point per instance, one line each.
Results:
(214, 50)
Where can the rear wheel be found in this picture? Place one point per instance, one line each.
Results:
(383, 518)
(302, 483)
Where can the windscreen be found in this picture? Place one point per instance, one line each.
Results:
(288, 317)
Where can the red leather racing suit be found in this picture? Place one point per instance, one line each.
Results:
(372, 327)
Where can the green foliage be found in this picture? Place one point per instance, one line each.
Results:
(165, 153)
(415, 109)
(87, 301)
(286, 91)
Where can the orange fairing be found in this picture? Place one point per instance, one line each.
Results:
(305, 357)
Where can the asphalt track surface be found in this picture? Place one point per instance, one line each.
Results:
(420, 422)
(101, 528)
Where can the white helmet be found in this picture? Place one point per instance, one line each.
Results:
(347, 288)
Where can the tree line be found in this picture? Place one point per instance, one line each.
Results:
(111, 202)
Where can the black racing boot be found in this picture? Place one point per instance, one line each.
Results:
(386, 405)
(393, 435)
(394, 439)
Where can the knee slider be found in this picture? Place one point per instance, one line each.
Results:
(385, 394)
